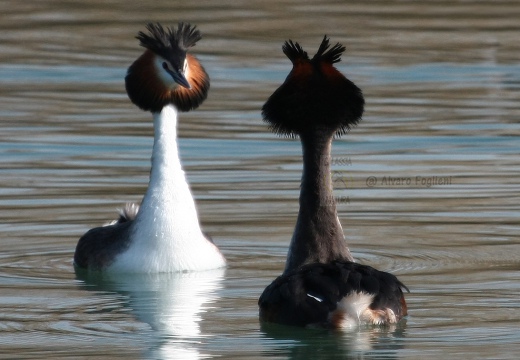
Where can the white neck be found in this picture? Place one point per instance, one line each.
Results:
(166, 234)
(168, 191)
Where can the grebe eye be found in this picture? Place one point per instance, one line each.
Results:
(165, 65)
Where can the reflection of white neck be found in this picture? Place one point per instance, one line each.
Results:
(166, 234)
(173, 305)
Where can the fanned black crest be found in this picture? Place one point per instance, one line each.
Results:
(294, 51)
(315, 95)
(167, 42)
(331, 56)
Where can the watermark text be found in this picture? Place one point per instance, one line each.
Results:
(408, 181)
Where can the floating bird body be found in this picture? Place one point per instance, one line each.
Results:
(321, 284)
(163, 234)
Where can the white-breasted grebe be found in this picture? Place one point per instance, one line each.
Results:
(163, 234)
(321, 284)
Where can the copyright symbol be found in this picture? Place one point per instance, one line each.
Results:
(371, 181)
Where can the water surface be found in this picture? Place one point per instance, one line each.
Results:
(427, 184)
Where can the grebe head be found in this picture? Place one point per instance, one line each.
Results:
(315, 95)
(165, 73)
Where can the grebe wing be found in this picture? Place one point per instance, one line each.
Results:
(99, 246)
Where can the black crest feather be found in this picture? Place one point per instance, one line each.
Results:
(294, 51)
(315, 95)
(165, 41)
(332, 55)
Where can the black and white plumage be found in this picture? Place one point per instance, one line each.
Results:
(322, 285)
(338, 294)
(163, 234)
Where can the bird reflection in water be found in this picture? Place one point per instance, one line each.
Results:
(172, 304)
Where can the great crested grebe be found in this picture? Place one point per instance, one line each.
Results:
(163, 234)
(322, 285)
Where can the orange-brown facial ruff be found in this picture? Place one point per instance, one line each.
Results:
(144, 84)
(148, 91)
(187, 99)
(315, 95)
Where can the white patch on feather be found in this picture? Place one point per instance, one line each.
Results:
(315, 298)
(380, 317)
(129, 212)
(351, 309)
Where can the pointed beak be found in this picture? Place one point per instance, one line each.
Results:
(179, 78)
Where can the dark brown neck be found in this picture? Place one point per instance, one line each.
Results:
(318, 236)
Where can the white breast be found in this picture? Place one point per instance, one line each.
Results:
(166, 234)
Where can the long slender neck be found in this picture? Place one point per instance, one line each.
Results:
(166, 234)
(166, 161)
(168, 197)
(318, 236)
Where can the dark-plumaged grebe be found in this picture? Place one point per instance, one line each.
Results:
(322, 286)
(163, 234)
